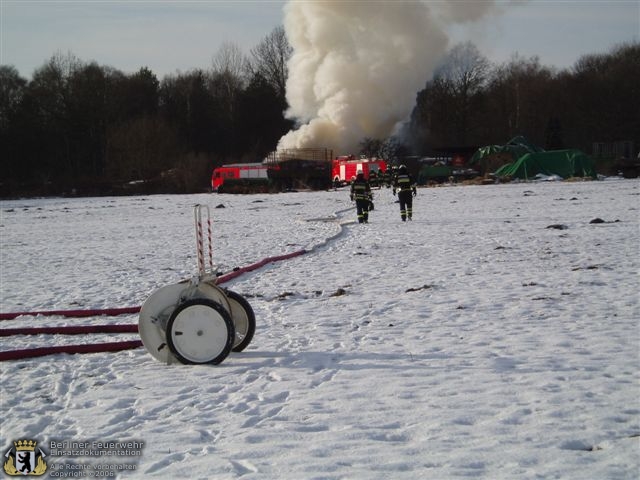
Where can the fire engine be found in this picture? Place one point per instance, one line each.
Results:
(250, 171)
(345, 168)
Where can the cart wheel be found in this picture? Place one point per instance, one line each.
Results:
(244, 320)
(154, 316)
(200, 331)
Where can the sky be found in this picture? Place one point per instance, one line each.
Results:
(172, 36)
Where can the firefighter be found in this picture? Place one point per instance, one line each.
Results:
(373, 179)
(388, 176)
(406, 188)
(361, 193)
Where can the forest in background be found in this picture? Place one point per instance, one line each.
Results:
(80, 128)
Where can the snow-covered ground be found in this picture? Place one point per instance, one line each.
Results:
(472, 342)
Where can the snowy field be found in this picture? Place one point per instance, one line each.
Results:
(473, 342)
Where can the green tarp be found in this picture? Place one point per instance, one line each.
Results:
(516, 148)
(564, 163)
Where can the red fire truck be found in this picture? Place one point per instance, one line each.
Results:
(345, 168)
(249, 171)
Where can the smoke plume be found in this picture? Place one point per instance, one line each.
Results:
(357, 66)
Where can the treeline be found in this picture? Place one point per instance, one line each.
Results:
(83, 128)
(471, 102)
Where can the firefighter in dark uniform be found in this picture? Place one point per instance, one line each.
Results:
(373, 179)
(406, 188)
(389, 176)
(361, 193)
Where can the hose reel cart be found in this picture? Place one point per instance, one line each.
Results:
(195, 321)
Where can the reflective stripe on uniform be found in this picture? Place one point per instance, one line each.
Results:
(403, 182)
(359, 191)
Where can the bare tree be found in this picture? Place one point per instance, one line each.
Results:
(462, 75)
(11, 92)
(522, 98)
(270, 59)
(230, 69)
(465, 68)
(49, 93)
(230, 61)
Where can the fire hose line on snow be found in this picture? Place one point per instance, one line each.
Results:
(129, 310)
(88, 348)
(72, 313)
(118, 346)
(101, 347)
(70, 330)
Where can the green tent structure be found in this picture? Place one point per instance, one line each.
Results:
(487, 159)
(563, 163)
(521, 159)
(516, 147)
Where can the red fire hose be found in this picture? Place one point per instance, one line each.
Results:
(127, 310)
(89, 348)
(101, 347)
(72, 330)
(236, 273)
(73, 313)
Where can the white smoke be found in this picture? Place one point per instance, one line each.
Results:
(357, 66)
